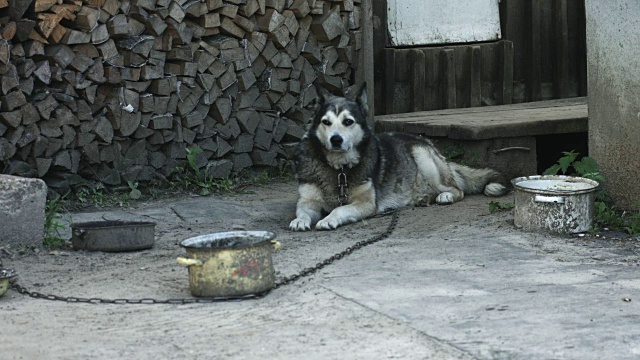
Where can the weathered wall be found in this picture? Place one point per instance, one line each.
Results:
(117, 90)
(613, 62)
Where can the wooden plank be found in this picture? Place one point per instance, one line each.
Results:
(515, 29)
(463, 81)
(379, 66)
(534, 85)
(577, 101)
(475, 66)
(431, 86)
(494, 121)
(448, 78)
(507, 72)
(417, 61)
(390, 80)
(561, 73)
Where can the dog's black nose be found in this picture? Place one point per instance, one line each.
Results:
(336, 141)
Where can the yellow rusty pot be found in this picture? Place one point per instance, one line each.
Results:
(5, 276)
(232, 263)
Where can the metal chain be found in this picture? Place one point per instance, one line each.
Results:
(343, 196)
(284, 281)
(359, 245)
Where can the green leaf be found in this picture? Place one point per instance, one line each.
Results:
(552, 170)
(135, 194)
(586, 166)
(567, 160)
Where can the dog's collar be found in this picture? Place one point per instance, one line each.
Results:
(343, 195)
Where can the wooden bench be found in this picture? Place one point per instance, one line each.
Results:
(502, 137)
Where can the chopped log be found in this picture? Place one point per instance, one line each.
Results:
(48, 22)
(12, 100)
(57, 34)
(87, 18)
(250, 8)
(111, 7)
(329, 26)
(196, 8)
(300, 8)
(229, 27)
(108, 50)
(61, 54)
(176, 12)
(44, 5)
(75, 37)
(270, 21)
(8, 83)
(118, 26)
(23, 29)
(9, 31)
(17, 8)
(100, 34)
(229, 10)
(37, 37)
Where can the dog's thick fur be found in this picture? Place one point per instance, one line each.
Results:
(384, 172)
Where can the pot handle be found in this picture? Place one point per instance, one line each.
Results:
(188, 262)
(550, 199)
(276, 245)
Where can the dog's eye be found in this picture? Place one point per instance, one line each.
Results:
(348, 122)
(326, 122)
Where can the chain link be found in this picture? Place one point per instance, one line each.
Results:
(343, 196)
(200, 300)
(342, 254)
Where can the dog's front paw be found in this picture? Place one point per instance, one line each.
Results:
(300, 224)
(328, 223)
(445, 198)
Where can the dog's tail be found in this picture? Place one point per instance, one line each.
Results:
(476, 181)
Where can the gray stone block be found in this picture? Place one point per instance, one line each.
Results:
(22, 205)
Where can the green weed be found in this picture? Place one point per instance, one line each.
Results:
(263, 178)
(95, 196)
(52, 224)
(496, 206)
(192, 177)
(135, 194)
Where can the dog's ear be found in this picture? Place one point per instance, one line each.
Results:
(323, 94)
(362, 100)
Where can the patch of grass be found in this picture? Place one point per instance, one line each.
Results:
(607, 214)
(262, 178)
(86, 195)
(91, 195)
(52, 224)
(285, 169)
(189, 177)
(192, 177)
(496, 206)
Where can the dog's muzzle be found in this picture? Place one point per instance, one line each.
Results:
(336, 142)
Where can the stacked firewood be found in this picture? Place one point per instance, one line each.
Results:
(119, 90)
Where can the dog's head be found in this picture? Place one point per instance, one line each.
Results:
(340, 126)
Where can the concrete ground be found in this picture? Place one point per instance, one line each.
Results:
(452, 282)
